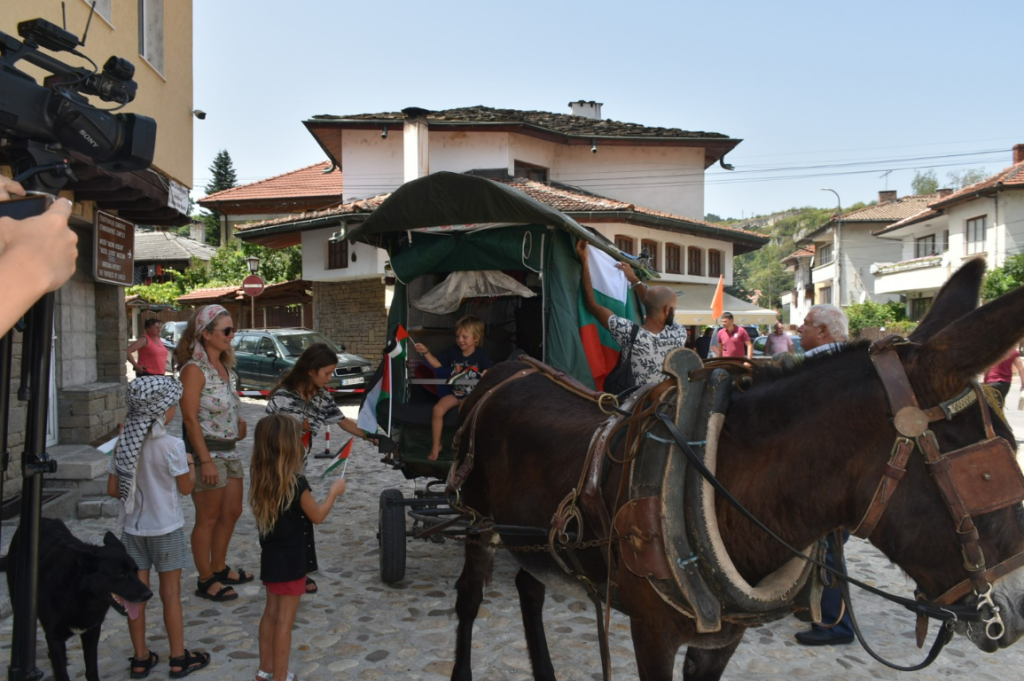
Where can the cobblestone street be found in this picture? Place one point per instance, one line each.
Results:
(358, 628)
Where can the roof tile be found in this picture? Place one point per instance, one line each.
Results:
(167, 246)
(306, 182)
(1008, 177)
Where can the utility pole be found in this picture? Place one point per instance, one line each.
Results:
(838, 241)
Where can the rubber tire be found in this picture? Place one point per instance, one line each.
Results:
(391, 537)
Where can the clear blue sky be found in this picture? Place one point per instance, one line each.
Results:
(802, 83)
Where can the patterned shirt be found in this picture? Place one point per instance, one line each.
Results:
(648, 354)
(218, 407)
(319, 411)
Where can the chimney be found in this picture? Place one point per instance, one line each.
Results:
(416, 144)
(197, 231)
(887, 196)
(943, 193)
(1018, 153)
(585, 109)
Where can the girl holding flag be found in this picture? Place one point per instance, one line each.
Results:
(302, 393)
(282, 504)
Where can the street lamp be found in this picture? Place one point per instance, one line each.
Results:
(254, 267)
(838, 248)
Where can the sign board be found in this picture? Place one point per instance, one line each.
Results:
(113, 247)
(177, 197)
(253, 285)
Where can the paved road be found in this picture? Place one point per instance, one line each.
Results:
(357, 628)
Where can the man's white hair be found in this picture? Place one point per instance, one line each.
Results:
(833, 318)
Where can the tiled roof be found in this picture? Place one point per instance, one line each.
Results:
(926, 214)
(885, 211)
(167, 246)
(566, 124)
(306, 182)
(560, 197)
(1009, 177)
(806, 252)
(209, 293)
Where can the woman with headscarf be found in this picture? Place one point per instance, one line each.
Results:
(210, 413)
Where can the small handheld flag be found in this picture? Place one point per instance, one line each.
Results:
(340, 460)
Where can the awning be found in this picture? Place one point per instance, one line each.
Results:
(694, 307)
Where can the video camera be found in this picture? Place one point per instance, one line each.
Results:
(45, 119)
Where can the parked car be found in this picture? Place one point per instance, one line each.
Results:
(761, 341)
(263, 355)
(170, 334)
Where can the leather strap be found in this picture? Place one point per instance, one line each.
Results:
(894, 471)
(992, 574)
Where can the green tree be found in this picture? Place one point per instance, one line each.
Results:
(964, 177)
(228, 266)
(222, 173)
(1004, 279)
(711, 217)
(926, 182)
(870, 313)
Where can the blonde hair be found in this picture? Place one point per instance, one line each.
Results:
(473, 325)
(277, 454)
(183, 353)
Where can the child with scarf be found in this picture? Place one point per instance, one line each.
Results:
(149, 472)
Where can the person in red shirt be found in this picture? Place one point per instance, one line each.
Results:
(152, 352)
(733, 339)
(1001, 375)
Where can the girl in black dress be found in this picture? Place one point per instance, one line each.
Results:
(282, 503)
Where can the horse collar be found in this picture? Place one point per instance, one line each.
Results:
(977, 479)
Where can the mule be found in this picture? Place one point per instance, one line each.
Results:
(823, 436)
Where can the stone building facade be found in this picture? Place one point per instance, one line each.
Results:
(352, 313)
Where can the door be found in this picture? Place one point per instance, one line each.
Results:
(245, 360)
(271, 365)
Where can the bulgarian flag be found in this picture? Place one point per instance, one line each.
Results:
(341, 459)
(381, 389)
(613, 292)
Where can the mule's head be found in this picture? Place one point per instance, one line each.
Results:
(954, 343)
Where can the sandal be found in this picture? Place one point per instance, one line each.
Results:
(143, 665)
(243, 576)
(188, 663)
(203, 590)
(264, 676)
(311, 587)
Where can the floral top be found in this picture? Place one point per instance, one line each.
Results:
(218, 407)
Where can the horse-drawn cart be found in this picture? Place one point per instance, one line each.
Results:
(444, 231)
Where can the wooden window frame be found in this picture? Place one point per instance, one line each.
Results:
(652, 247)
(690, 251)
(669, 267)
(720, 257)
(823, 293)
(337, 254)
(622, 239)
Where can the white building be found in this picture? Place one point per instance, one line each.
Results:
(574, 162)
(797, 303)
(984, 220)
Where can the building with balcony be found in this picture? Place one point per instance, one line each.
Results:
(797, 303)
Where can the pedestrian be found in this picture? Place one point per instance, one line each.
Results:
(825, 330)
(302, 393)
(733, 340)
(1000, 376)
(778, 341)
(210, 414)
(656, 336)
(281, 502)
(151, 350)
(704, 343)
(149, 473)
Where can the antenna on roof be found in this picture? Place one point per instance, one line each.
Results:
(886, 176)
(88, 22)
(64, 14)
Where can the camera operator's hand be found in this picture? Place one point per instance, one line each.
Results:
(9, 188)
(37, 255)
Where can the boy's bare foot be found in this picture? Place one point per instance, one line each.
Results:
(435, 451)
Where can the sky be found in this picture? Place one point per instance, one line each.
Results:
(823, 94)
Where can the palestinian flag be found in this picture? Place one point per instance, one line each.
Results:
(341, 458)
(381, 381)
(613, 292)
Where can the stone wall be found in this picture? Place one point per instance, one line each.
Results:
(352, 313)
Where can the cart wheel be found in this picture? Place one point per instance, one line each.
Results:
(391, 537)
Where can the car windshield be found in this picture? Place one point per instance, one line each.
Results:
(295, 343)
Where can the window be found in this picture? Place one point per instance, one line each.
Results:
(624, 244)
(694, 261)
(102, 8)
(925, 246)
(151, 32)
(918, 308)
(266, 347)
(976, 235)
(824, 255)
(247, 346)
(825, 295)
(531, 171)
(672, 255)
(652, 251)
(337, 254)
(714, 263)
(945, 240)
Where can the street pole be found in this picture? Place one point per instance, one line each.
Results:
(838, 241)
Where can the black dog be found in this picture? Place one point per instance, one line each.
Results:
(77, 583)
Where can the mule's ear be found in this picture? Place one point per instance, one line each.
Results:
(957, 297)
(979, 339)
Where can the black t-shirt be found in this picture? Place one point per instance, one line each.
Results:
(283, 557)
(475, 364)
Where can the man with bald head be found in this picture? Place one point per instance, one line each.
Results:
(657, 335)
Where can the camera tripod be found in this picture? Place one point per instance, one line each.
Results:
(37, 334)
